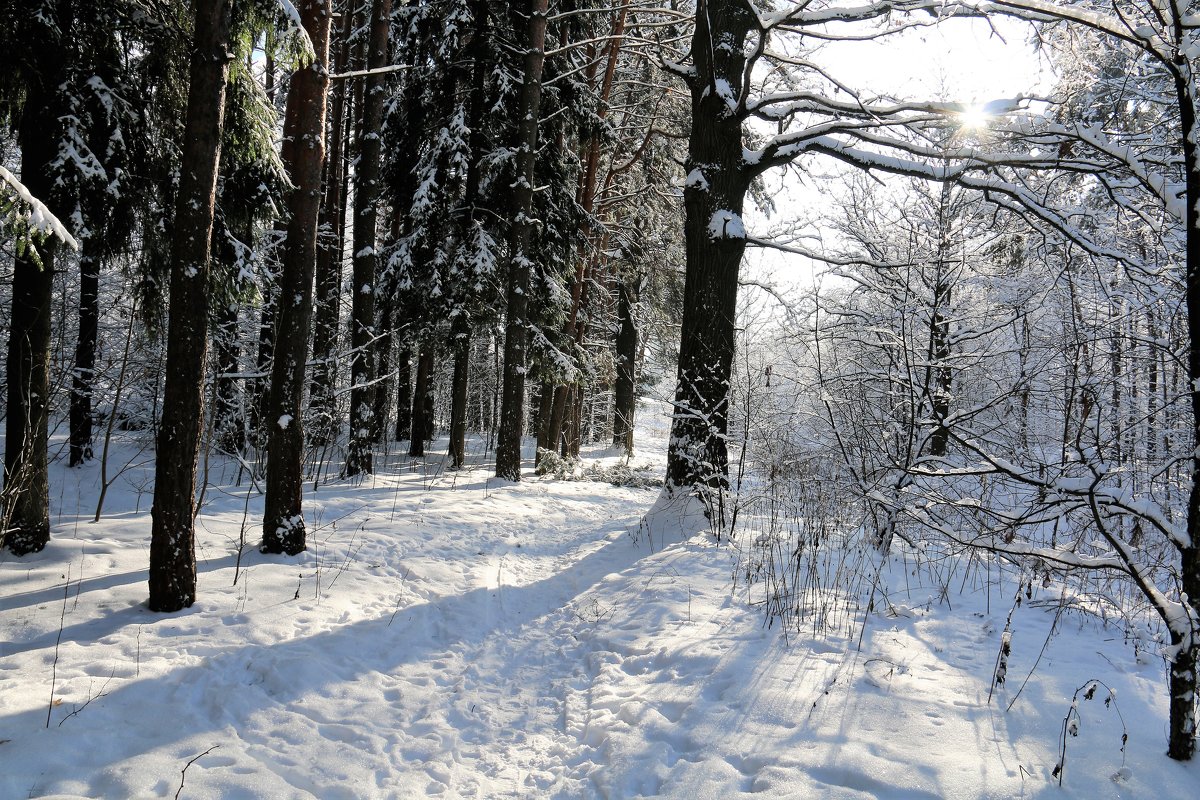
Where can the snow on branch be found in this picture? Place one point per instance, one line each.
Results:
(31, 213)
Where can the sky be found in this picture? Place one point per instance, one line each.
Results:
(960, 60)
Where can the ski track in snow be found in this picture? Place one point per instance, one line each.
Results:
(451, 635)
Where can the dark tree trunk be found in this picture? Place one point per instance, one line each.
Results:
(573, 427)
(422, 402)
(404, 405)
(303, 156)
(173, 542)
(383, 359)
(625, 399)
(322, 401)
(558, 416)
(545, 414)
(512, 409)
(26, 481)
(366, 199)
(1182, 675)
(715, 241)
(84, 373)
(460, 346)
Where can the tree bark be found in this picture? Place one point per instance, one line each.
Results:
(26, 480)
(1181, 743)
(460, 346)
(422, 405)
(625, 394)
(322, 401)
(516, 335)
(303, 156)
(404, 405)
(366, 199)
(83, 376)
(713, 199)
(173, 542)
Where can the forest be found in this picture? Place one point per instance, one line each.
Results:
(600, 399)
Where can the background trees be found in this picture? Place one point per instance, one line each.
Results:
(997, 355)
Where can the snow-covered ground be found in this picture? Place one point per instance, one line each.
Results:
(448, 634)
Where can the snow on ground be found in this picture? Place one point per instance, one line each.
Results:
(449, 634)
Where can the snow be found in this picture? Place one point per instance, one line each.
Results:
(725, 224)
(448, 633)
(34, 212)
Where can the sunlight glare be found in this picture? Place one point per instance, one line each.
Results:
(974, 117)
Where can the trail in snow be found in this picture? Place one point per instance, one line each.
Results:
(449, 635)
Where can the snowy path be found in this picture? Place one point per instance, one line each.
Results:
(448, 635)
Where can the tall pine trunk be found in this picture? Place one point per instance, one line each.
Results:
(26, 481)
(404, 405)
(366, 199)
(303, 156)
(625, 394)
(460, 347)
(715, 240)
(421, 405)
(83, 375)
(173, 541)
(1181, 743)
(516, 334)
(328, 271)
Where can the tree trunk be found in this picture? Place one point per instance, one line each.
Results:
(715, 240)
(512, 409)
(460, 346)
(404, 405)
(1181, 744)
(172, 542)
(26, 480)
(421, 402)
(625, 399)
(545, 415)
(386, 308)
(83, 375)
(366, 199)
(322, 401)
(303, 156)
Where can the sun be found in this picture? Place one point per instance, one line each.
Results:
(974, 117)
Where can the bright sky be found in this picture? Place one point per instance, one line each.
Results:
(956, 60)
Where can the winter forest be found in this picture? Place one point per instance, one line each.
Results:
(597, 398)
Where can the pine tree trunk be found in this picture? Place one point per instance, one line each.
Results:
(366, 200)
(1181, 744)
(303, 156)
(404, 404)
(715, 241)
(460, 346)
(545, 415)
(322, 401)
(83, 374)
(421, 405)
(625, 399)
(383, 360)
(26, 480)
(512, 409)
(172, 542)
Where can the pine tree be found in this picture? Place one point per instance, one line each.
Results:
(172, 544)
(303, 156)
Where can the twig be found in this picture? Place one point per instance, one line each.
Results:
(183, 772)
(61, 622)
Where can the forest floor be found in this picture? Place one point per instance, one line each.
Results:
(449, 634)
